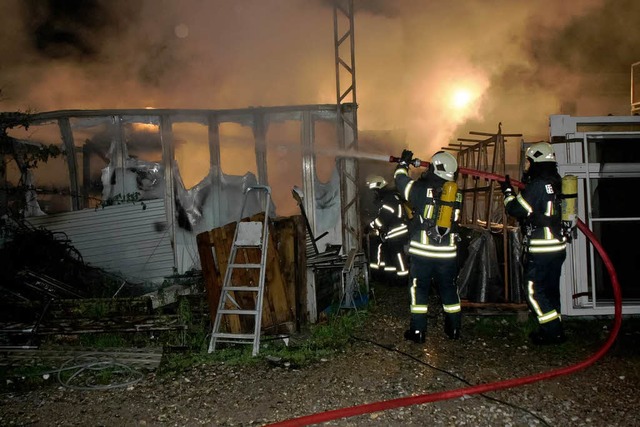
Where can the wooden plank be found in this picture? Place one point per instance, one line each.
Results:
(279, 308)
(223, 239)
(290, 243)
(71, 308)
(276, 302)
(212, 278)
(147, 358)
(99, 307)
(140, 323)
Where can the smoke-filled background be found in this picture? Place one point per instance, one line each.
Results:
(428, 70)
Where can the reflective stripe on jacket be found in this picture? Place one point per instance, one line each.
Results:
(537, 209)
(428, 240)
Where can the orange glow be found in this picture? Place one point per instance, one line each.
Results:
(447, 96)
(461, 98)
(144, 127)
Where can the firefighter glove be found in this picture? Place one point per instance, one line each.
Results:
(406, 158)
(507, 188)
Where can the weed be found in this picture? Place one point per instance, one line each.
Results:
(319, 341)
(103, 340)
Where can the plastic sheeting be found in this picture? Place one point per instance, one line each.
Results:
(327, 206)
(480, 278)
(146, 179)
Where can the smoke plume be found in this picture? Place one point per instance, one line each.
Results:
(514, 62)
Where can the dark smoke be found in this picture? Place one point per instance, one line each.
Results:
(69, 29)
(534, 57)
(594, 50)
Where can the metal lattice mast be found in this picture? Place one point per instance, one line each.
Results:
(347, 122)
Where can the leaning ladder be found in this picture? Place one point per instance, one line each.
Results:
(249, 235)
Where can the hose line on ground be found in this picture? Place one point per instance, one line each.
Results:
(483, 388)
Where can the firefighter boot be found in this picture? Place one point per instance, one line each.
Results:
(548, 334)
(452, 327)
(416, 336)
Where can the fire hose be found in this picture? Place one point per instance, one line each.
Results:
(481, 388)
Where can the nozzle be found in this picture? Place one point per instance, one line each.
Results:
(414, 162)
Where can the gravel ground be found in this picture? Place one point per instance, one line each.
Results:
(377, 365)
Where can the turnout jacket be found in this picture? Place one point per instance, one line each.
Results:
(391, 222)
(427, 239)
(537, 208)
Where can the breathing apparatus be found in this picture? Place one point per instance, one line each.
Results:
(445, 212)
(444, 166)
(569, 206)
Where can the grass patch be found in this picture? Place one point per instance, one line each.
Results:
(106, 340)
(315, 343)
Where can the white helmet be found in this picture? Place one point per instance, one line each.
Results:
(541, 152)
(376, 182)
(444, 165)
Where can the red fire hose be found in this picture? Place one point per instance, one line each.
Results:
(481, 388)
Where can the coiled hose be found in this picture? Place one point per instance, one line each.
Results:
(482, 388)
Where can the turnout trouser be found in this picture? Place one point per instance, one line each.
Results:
(443, 271)
(542, 281)
(394, 257)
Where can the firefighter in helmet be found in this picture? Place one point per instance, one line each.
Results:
(390, 225)
(538, 210)
(433, 240)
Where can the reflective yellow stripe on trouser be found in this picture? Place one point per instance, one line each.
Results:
(416, 308)
(375, 264)
(451, 308)
(542, 317)
(402, 271)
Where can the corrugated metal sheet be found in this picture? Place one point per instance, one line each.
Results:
(123, 239)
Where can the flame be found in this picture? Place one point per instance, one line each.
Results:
(461, 98)
(448, 95)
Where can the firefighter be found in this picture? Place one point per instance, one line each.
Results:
(538, 210)
(390, 225)
(433, 241)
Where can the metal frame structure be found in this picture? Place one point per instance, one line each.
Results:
(346, 103)
(347, 231)
(482, 204)
(476, 156)
(258, 119)
(574, 139)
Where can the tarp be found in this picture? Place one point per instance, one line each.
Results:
(480, 278)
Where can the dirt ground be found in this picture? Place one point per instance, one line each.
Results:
(377, 365)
